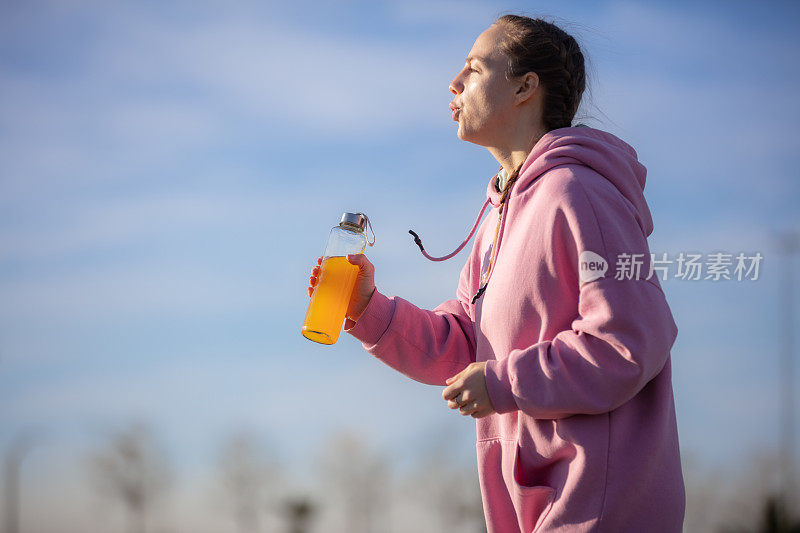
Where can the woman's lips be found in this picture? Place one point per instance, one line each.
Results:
(455, 114)
(455, 110)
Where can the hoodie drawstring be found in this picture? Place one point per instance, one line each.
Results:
(498, 236)
(463, 244)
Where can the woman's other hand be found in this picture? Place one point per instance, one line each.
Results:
(364, 287)
(466, 391)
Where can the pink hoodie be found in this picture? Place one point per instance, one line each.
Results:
(578, 369)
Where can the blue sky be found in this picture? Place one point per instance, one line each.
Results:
(169, 173)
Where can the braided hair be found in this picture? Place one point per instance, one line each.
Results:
(535, 45)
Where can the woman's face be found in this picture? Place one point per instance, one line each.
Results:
(484, 99)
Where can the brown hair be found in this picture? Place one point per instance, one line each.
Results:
(535, 45)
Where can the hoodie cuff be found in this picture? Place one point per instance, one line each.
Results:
(498, 385)
(374, 321)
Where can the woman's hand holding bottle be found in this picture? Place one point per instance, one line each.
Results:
(364, 287)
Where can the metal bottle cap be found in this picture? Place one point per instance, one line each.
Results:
(358, 222)
(355, 220)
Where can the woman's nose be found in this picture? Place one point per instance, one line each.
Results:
(456, 86)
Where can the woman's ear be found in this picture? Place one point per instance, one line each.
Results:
(528, 84)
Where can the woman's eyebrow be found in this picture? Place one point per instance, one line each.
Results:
(479, 59)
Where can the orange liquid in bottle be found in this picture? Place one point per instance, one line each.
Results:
(329, 302)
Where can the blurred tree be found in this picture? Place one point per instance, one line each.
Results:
(707, 494)
(447, 490)
(298, 512)
(132, 469)
(777, 517)
(357, 482)
(249, 476)
(741, 497)
(15, 453)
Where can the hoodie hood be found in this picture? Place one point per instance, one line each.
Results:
(603, 152)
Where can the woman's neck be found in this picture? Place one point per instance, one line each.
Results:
(511, 156)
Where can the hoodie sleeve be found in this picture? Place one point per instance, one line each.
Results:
(427, 346)
(623, 331)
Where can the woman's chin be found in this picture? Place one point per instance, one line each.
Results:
(467, 136)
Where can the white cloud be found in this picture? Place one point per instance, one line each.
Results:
(97, 225)
(291, 78)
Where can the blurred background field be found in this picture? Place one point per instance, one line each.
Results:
(169, 172)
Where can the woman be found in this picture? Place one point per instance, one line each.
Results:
(558, 350)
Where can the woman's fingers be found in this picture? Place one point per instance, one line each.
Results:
(314, 279)
(312, 285)
(469, 408)
(452, 390)
(458, 399)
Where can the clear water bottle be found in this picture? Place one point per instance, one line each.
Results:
(337, 278)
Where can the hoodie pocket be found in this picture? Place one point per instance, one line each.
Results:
(531, 502)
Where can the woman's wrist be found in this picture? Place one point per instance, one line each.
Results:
(366, 304)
